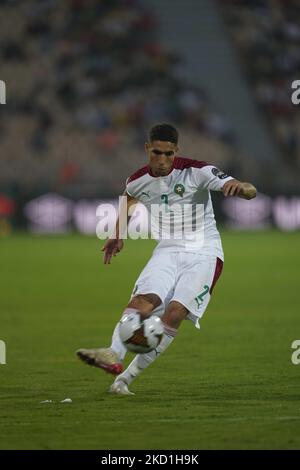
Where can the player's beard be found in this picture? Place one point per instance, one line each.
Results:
(161, 171)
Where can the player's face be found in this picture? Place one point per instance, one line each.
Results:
(161, 156)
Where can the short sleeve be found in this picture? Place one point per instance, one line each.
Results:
(134, 182)
(211, 178)
(128, 189)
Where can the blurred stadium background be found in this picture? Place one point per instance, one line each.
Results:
(85, 80)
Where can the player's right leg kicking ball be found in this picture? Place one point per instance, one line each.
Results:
(157, 276)
(110, 359)
(189, 299)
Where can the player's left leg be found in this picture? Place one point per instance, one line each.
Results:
(143, 304)
(172, 318)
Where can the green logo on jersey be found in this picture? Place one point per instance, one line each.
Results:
(145, 194)
(199, 299)
(179, 189)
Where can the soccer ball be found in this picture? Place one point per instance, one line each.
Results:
(139, 335)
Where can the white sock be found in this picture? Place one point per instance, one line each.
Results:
(142, 361)
(116, 344)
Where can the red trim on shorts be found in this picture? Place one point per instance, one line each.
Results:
(218, 271)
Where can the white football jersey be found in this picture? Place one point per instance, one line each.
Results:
(184, 189)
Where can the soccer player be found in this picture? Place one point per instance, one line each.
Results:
(179, 279)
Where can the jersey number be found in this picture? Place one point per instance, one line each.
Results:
(165, 199)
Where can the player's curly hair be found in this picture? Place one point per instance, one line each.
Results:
(163, 132)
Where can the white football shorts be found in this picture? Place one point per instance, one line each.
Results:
(188, 278)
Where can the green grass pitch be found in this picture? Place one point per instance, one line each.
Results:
(230, 386)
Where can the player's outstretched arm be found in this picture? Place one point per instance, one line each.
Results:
(238, 188)
(112, 246)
